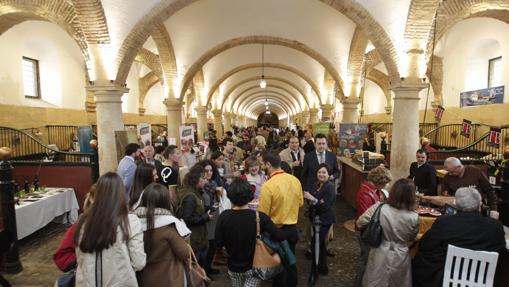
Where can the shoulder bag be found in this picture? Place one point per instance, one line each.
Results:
(196, 276)
(266, 262)
(372, 233)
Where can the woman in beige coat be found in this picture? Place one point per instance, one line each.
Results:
(390, 264)
(109, 242)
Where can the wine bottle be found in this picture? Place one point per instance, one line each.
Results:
(36, 183)
(26, 186)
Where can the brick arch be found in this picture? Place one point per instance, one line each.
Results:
(61, 13)
(92, 20)
(165, 9)
(356, 59)
(453, 11)
(269, 85)
(168, 62)
(262, 94)
(238, 69)
(244, 103)
(268, 40)
(382, 80)
(269, 78)
(151, 60)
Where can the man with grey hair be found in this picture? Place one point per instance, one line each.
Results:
(466, 229)
(459, 175)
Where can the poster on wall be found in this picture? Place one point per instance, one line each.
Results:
(186, 136)
(466, 128)
(351, 137)
(494, 137)
(439, 113)
(145, 134)
(321, 128)
(489, 96)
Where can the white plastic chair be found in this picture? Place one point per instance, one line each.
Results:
(465, 267)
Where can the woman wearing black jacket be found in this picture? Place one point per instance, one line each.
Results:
(322, 215)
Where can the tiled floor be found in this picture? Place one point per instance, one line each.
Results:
(36, 253)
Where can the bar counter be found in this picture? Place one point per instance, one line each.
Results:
(351, 180)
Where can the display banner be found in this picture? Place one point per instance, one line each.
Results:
(494, 137)
(466, 128)
(145, 134)
(321, 128)
(85, 134)
(489, 96)
(186, 136)
(351, 137)
(439, 113)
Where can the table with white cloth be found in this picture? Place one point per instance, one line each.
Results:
(55, 204)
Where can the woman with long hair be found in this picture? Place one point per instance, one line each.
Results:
(322, 215)
(109, 240)
(389, 264)
(167, 251)
(144, 175)
(254, 176)
(193, 212)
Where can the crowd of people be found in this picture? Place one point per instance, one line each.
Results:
(142, 224)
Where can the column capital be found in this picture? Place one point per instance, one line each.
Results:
(201, 110)
(313, 111)
(107, 93)
(408, 89)
(217, 113)
(350, 102)
(388, 110)
(173, 104)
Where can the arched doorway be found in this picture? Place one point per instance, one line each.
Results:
(268, 120)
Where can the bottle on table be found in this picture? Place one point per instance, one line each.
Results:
(36, 183)
(26, 186)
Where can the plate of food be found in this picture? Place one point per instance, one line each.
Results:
(421, 210)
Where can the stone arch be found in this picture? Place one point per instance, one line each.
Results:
(271, 95)
(257, 87)
(356, 59)
(93, 21)
(249, 101)
(167, 59)
(238, 69)
(165, 9)
(145, 83)
(61, 13)
(150, 60)
(235, 86)
(382, 80)
(268, 40)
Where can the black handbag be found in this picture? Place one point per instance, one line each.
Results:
(372, 233)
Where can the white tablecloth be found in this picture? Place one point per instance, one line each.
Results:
(32, 216)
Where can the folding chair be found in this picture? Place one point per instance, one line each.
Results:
(465, 267)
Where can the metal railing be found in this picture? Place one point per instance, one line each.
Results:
(387, 127)
(478, 149)
(449, 136)
(26, 147)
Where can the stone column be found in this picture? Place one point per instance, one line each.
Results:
(227, 122)
(405, 127)
(173, 118)
(327, 112)
(313, 115)
(201, 121)
(218, 122)
(109, 119)
(350, 110)
(234, 120)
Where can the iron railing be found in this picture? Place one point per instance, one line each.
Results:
(476, 150)
(387, 127)
(26, 147)
(449, 136)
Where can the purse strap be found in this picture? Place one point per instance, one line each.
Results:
(258, 236)
(101, 270)
(376, 215)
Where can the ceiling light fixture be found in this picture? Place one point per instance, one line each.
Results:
(263, 82)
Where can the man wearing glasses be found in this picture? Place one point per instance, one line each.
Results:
(459, 175)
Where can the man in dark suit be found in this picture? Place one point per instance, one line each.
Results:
(466, 229)
(316, 157)
(423, 174)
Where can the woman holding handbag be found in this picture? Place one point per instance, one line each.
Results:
(236, 230)
(167, 251)
(109, 241)
(389, 264)
(322, 215)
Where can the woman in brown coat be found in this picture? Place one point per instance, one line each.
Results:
(167, 251)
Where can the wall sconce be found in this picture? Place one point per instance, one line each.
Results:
(402, 78)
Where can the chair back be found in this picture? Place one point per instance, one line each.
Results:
(465, 267)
